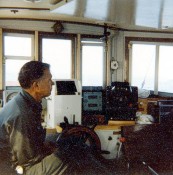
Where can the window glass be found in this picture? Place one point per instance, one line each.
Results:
(17, 51)
(165, 83)
(92, 65)
(17, 46)
(58, 53)
(143, 66)
(13, 71)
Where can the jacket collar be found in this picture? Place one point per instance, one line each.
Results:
(31, 101)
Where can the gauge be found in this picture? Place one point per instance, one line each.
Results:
(10, 96)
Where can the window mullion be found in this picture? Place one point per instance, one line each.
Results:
(130, 45)
(156, 71)
(17, 58)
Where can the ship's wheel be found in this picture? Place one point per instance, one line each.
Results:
(80, 136)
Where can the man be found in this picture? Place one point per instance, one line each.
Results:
(20, 124)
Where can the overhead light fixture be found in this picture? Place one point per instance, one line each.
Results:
(33, 0)
(53, 2)
(58, 3)
(67, 7)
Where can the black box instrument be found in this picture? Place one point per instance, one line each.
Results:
(121, 101)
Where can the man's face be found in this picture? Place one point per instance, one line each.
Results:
(45, 84)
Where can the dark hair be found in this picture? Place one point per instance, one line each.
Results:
(30, 72)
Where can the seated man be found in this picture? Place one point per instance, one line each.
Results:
(20, 125)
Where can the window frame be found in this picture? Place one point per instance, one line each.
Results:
(150, 41)
(8, 57)
(72, 37)
(95, 42)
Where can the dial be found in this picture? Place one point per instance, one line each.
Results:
(10, 96)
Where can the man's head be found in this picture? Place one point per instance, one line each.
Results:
(35, 78)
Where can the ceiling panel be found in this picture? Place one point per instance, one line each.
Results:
(124, 14)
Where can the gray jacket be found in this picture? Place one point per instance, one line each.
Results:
(20, 125)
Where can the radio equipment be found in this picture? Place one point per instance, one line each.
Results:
(165, 107)
(93, 107)
(121, 101)
(92, 101)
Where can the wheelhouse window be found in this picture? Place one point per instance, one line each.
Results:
(58, 53)
(93, 63)
(18, 49)
(151, 66)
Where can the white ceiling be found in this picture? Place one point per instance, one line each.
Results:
(151, 15)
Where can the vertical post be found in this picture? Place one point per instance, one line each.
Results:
(1, 61)
(156, 70)
(107, 50)
(36, 46)
(78, 58)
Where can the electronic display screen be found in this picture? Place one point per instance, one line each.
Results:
(66, 87)
(92, 105)
(92, 97)
(92, 101)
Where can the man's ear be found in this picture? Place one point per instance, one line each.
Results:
(35, 84)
